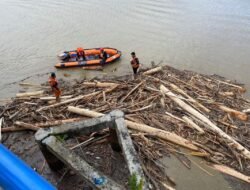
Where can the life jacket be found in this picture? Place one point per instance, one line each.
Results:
(135, 62)
(80, 51)
(53, 82)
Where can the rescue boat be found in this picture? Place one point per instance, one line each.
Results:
(92, 57)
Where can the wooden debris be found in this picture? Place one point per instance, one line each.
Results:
(26, 125)
(246, 111)
(137, 86)
(232, 172)
(100, 84)
(47, 98)
(237, 114)
(176, 88)
(153, 71)
(36, 93)
(204, 119)
(197, 97)
(142, 128)
(193, 125)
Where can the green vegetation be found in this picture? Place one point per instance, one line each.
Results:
(133, 185)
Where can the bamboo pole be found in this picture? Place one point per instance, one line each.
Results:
(165, 135)
(209, 125)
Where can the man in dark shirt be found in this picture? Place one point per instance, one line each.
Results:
(103, 55)
(134, 62)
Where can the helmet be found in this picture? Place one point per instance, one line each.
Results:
(53, 74)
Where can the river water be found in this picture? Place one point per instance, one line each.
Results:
(208, 36)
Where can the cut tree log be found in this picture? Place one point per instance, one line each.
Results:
(100, 84)
(137, 86)
(232, 172)
(152, 71)
(35, 93)
(193, 125)
(237, 114)
(177, 89)
(165, 135)
(241, 149)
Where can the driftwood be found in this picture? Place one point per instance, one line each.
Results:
(69, 101)
(137, 86)
(246, 111)
(177, 89)
(232, 172)
(35, 93)
(100, 84)
(140, 109)
(237, 114)
(193, 125)
(233, 85)
(152, 71)
(39, 125)
(26, 125)
(175, 117)
(47, 98)
(141, 127)
(204, 119)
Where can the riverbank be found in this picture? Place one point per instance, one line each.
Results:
(178, 105)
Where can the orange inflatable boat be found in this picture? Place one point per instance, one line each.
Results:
(92, 57)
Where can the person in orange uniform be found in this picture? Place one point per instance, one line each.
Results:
(54, 86)
(134, 62)
(80, 53)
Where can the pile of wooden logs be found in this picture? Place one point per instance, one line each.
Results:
(165, 109)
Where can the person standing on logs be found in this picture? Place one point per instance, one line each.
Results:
(54, 86)
(134, 63)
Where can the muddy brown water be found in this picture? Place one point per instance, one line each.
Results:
(208, 36)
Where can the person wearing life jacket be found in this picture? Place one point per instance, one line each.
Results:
(134, 62)
(103, 56)
(54, 86)
(80, 53)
